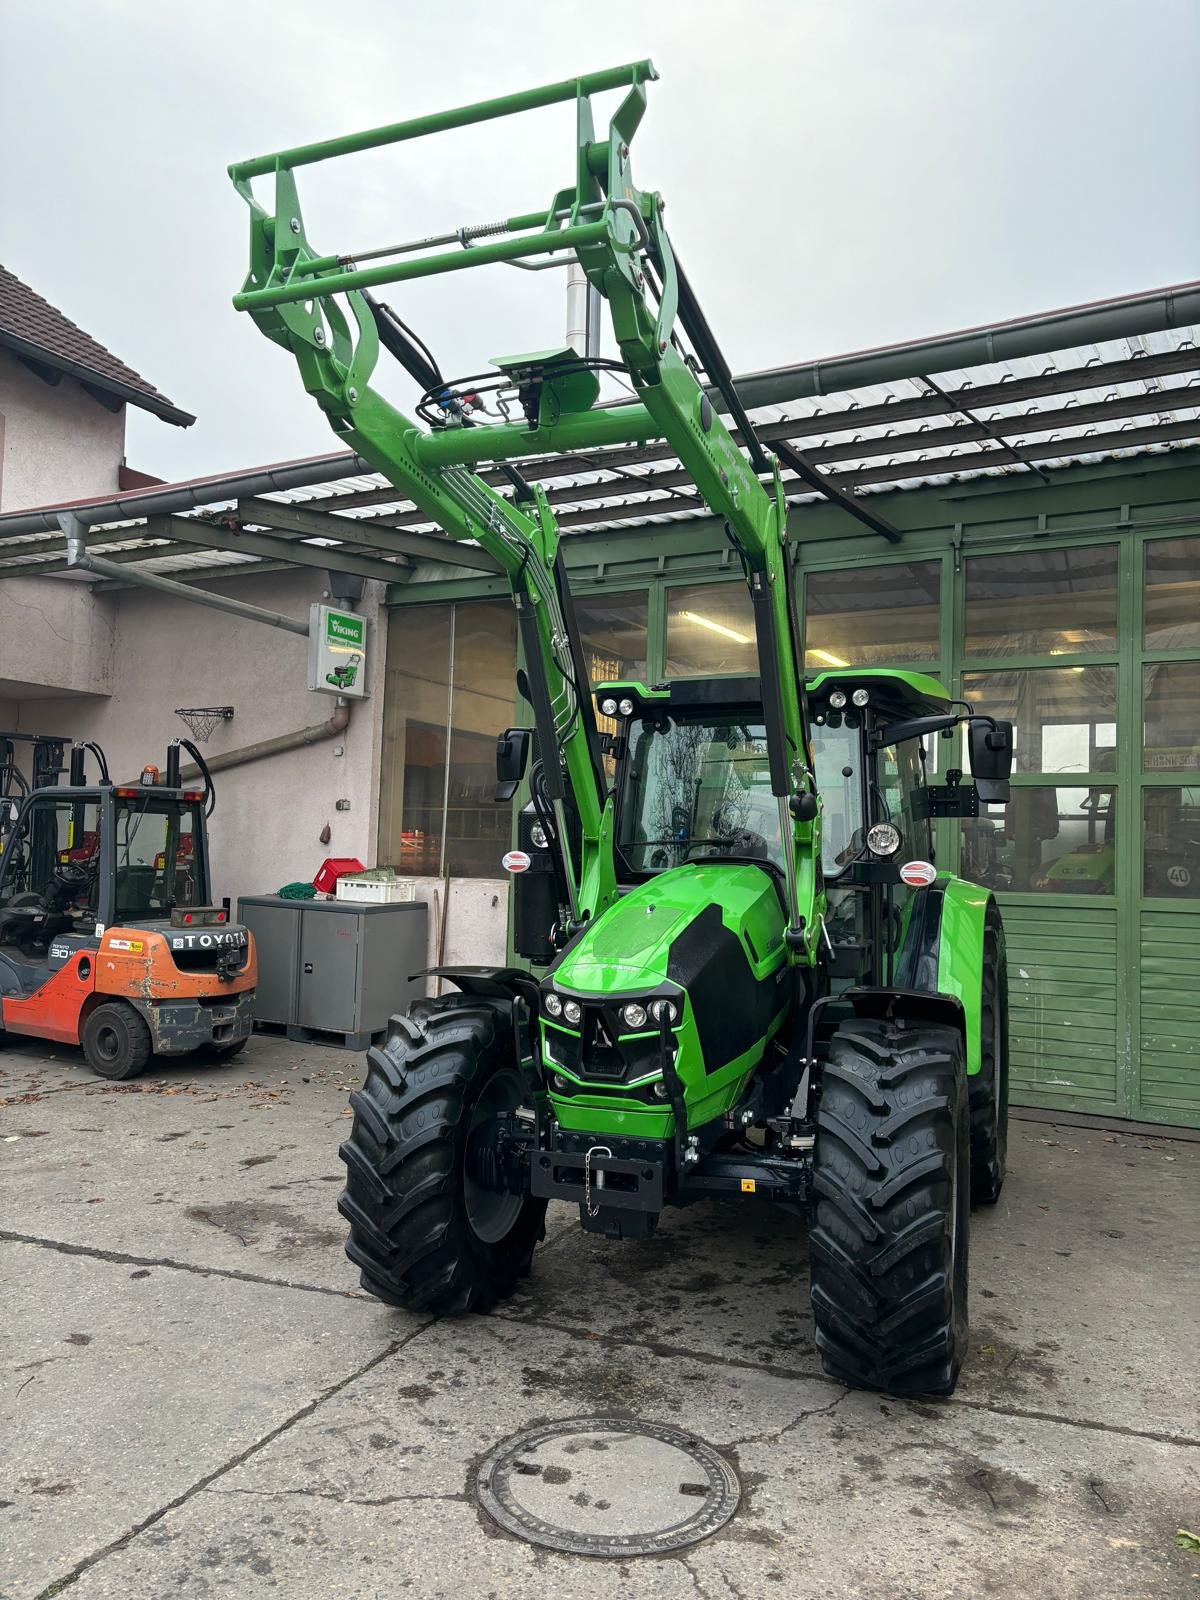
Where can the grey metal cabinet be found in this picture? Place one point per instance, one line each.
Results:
(335, 968)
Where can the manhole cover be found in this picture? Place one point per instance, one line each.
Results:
(603, 1486)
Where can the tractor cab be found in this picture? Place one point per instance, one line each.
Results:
(873, 741)
(108, 937)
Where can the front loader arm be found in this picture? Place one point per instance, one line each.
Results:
(295, 295)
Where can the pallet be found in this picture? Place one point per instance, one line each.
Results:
(332, 1037)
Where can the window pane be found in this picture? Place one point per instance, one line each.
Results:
(1060, 841)
(872, 616)
(483, 705)
(1064, 718)
(612, 628)
(415, 714)
(1173, 594)
(1171, 849)
(710, 631)
(1172, 728)
(1045, 602)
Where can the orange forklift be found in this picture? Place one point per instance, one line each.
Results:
(108, 939)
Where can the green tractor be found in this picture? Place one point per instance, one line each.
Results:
(744, 974)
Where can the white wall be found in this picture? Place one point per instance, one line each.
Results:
(269, 814)
(476, 921)
(59, 443)
(55, 636)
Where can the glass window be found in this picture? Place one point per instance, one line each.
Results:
(1064, 718)
(482, 706)
(1173, 594)
(450, 692)
(156, 858)
(613, 631)
(1171, 842)
(1057, 840)
(697, 790)
(416, 716)
(838, 769)
(710, 631)
(49, 872)
(872, 616)
(1171, 690)
(1043, 602)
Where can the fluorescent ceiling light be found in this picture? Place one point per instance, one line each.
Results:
(714, 627)
(828, 657)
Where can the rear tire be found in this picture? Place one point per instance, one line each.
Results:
(989, 1087)
(424, 1235)
(890, 1214)
(116, 1041)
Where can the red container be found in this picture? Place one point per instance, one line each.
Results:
(333, 868)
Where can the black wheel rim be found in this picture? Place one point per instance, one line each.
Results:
(492, 1212)
(108, 1043)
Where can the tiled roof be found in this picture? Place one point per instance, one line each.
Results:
(32, 327)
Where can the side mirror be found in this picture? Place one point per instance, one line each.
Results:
(512, 758)
(990, 747)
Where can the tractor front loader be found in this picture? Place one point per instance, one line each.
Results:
(745, 975)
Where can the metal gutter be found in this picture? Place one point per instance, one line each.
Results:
(188, 496)
(1096, 322)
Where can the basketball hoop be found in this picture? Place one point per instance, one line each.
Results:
(201, 720)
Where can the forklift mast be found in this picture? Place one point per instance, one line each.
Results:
(616, 232)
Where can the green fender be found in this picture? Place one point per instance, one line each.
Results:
(941, 950)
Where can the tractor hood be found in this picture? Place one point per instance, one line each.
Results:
(666, 929)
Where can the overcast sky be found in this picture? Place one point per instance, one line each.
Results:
(839, 173)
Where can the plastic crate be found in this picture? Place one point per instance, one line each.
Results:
(332, 868)
(376, 891)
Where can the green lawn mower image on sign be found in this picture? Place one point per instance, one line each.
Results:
(344, 676)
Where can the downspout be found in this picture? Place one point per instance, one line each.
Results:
(79, 559)
(262, 748)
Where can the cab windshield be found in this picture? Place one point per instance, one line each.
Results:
(697, 789)
(156, 857)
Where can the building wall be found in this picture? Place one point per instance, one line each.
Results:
(269, 813)
(58, 443)
(56, 637)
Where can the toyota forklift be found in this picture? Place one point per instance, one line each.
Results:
(745, 976)
(108, 937)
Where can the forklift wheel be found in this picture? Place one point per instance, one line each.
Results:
(226, 1052)
(116, 1041)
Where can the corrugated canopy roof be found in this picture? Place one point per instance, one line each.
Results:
(1133, 394)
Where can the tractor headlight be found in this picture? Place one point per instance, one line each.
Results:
(573, 1012)
(883, 839)
(626, 707)
(553, 1005)
(860, 697)
(537, 837)
(837, 698)
(660, 1091)
(664, 1011)
(560, 1083)
(608, 706)
(633, 1015)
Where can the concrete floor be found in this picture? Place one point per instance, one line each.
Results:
(196, 1400)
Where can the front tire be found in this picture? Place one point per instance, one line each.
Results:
(424, 1233)
(890, 1215)
(116, 1041)
(989, 1086)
